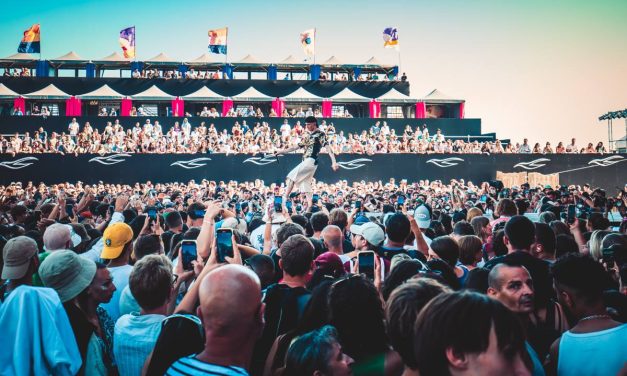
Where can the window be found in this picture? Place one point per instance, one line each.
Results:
(337, 111)
(394, 112)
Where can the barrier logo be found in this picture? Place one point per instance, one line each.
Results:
(604, 162)
(533, 165)
(19, 163)
(191, 164)
(354, 164)
(262, 161)
(111, 159)
(448, 162)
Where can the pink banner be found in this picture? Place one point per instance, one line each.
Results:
(20, 103)
(78, 107)
(126, 106)
(178, 107)
(421, 110)
(374, 109)
(227, 104)
(461, 110)
(327, 108)
(73, 107)
(278, 106)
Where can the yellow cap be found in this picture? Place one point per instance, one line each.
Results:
(115, 237)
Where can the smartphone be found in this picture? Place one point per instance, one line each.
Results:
(199, 213)
(288, 205)
(315, 198)
(189, 253)
(152, 212)
(358, 205)
(483, 198)
(571, 214)
(608, 257)
(37, 215)
(111, 209)
(278, 204)
(69, 210)
(238, 208)
(366, 263)
(224, 242)
(400, 200)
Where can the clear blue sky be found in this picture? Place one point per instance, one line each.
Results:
(540, 69)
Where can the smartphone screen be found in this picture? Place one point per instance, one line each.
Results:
(571, 214)
(152, 213)
(111, 209)
(484, 198)
(278, 204)
(224, 243)
(400, 200)
(68, 210)
(289, 206)
(366, 264)
(189, 253)
(358, 205)
(315, 198)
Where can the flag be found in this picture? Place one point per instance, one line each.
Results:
(127, 41)
(217, 40)
(308, 41)
(30, 41)
(390, 37)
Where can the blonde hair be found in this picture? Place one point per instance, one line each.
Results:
(473, 212)
(151, 281)
(596, 239)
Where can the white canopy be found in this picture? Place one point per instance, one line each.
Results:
(203, 59)
(6, 93)
(437, 96)
(104, 92)
(395, 96)
(70, 56)
(347, 95)
(114, 57)
(301, 95)
(290, 60)
(249, 59)
(49, 92)
(20, 56)
(251, 94)
(374, 61)
(203, 94)
(152, 93)
(161, 58)
(333, 61)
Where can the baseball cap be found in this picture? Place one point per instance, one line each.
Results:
(235, 224)
(423, 216)
(370, 231)
(17, 254)
(361, 219)
(115, 238)
(330, 260)
(67, 273)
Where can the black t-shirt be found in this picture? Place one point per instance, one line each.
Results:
(313, 143)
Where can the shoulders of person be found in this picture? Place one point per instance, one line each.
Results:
(191, 366)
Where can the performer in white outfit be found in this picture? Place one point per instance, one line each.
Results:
(302, 175)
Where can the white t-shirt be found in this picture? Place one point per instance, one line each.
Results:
(256, 237)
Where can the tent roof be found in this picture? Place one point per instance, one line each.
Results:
(20, 56)
(290, 60)
(394, 95)
(437, 96)
(70, 56)
(301, 95)
(103, 92)
(251, 94)
(5, 92)
(49, 92)
(161, 58)
(205, 58)
(347, 95)
(249, 59)
(114, 57)
(374, 61)
(152, 92)
(333, 61)
(204, 93)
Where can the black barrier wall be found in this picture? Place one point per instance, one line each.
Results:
(606, 171)
(21, 124)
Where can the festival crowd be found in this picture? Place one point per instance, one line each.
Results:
(228, 278)
(257, 138)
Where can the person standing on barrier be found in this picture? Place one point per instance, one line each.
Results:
(301, 175)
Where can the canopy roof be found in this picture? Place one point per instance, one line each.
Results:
(153, 93)
(5, 92)
(301, 95)
(290, 60)
(395, 96)
(205, 58)
(114, 57)
(161, 58)
(204, 94)
(373, 61)
(251, 94)
(437, 96)
(20, 56)
(347, 95)
(333, 61)
(49, 92)
(104, 92)
(249, 59)
(70, 56)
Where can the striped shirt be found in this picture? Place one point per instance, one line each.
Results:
(192, 366)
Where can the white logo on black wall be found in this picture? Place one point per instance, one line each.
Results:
(447, 162)
(261, 161)
(111, 159)
(354, 164)
(19, 163)
(191, 164)
(533, 165)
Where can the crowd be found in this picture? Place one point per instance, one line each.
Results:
(17, 72)
(425, 278)
(257, 138)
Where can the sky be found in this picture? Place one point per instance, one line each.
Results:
(545, 70)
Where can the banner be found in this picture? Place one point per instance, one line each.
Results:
(390, 37)
(308, 41)
(217, 40)
(127, 41)
(30, 40)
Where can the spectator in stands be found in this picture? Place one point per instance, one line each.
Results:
(524, 148)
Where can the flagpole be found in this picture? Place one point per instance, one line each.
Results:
(315, 46)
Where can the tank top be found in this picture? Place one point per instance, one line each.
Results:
(597, 353)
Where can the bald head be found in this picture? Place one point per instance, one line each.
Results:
(57, 236)
(230, 300)
(332, 236)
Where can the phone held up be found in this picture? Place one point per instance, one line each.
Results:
(224, 243)
(366, 263)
